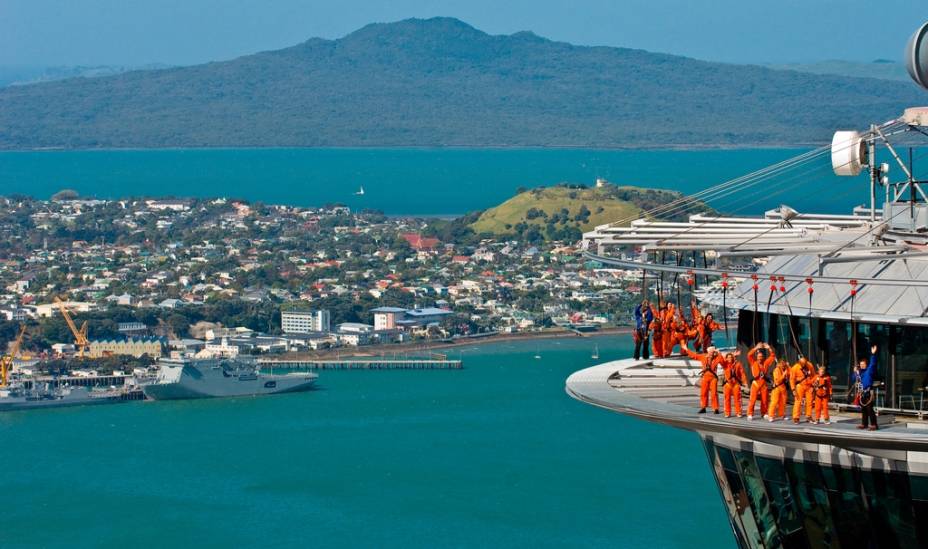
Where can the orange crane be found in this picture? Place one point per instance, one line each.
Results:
(80, 335)
(6, 361)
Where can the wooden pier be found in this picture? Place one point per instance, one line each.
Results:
(364, 363)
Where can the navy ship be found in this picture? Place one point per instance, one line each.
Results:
(18, 397)
(221, 377)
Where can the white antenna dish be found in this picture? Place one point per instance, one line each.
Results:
(916, 56)
(848, 153)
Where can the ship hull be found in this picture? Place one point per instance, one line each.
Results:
(77, 398)
(191, 382)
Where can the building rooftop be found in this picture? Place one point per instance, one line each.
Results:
(388, 310)
(427, 311)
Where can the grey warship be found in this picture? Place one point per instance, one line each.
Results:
(221, 377)
(21, 398)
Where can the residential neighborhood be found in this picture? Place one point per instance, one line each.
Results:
(227, 276)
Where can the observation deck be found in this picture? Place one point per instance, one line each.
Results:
(665, 391)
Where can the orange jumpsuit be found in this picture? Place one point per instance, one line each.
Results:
(778, 394)
(668, 328)
(705, 328)
(657, 337)
(734, 380)
(759, 372)
(680, 336)
(800, 380)
(697, 323)
(709, 384)
(821, 389)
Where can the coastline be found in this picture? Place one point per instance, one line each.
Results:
(589, 147)
(429, 346)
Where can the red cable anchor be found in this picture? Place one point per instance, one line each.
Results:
(853, 287)
(809, 282)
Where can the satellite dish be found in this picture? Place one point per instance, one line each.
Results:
(848, 153)
(916, 56)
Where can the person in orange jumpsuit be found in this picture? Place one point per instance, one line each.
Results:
(777, 408)
(735, 378)
(821, 390)
(657, 332)
(696, 321)
(707, 325)
(682, 334)
(760, 372)
(709, 383)
(800, 381)
(667, 328)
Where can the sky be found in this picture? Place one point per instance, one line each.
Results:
(183, 32)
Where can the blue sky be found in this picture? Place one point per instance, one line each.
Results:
(133, 32)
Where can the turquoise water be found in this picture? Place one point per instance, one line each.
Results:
(415, 181)
(493, 455)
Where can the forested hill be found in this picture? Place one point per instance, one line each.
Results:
(440, 82)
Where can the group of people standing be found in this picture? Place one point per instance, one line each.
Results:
(666, 328)
(772, 379)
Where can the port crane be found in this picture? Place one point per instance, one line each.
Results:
(6, 361)
(80, 335)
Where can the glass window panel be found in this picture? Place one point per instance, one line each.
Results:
(851, 520)
(782, 502)
(918, 487)
(838, 351)
(920, 508)
(891, 512)
(809, 487)
(764, 512)
(735, 498)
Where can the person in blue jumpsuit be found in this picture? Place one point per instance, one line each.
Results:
(863, 378)
(643, 318)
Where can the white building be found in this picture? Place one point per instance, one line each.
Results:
(354, 333)
(385, 317)
(46, 310)
(221, 349)
(305, 322)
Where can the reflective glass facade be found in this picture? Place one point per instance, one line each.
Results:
(902, 363)
(802, 504)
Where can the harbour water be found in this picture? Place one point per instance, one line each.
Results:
(411, 181)
(495, 454)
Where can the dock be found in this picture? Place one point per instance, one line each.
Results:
(435, 362)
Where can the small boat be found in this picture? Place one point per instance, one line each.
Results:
(360, 191)
(595, 352)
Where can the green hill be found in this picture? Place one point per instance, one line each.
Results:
(441, 82)
(565, 211)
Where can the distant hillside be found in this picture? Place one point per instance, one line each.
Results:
(565, 211)
(18, 76)
(440, 82)
(881, 68)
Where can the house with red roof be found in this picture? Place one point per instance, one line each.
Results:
(421, 243)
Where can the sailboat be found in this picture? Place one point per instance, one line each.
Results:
(537, 353)
(360, 191)
(595, 352)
